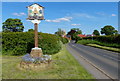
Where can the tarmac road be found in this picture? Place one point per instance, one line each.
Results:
(105, 61)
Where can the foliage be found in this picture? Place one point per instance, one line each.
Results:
(30, 30)
(108, 30)
(12, 25)
(60, 32)
(111, 40)
(96, 32)
(20, 43)
(74, 32)
(108, 46)
(64, 40)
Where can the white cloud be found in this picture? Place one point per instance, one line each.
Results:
(60, 19)
(75, 24)
(101, 13)
(83, 15)
(113, 15)
(19, 14)
(22, 13)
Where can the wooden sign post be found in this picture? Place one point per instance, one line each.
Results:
(35, 14)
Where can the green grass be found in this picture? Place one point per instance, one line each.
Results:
(93, 43)
(64, 66)
(104, 47)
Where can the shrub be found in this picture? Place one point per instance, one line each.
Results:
(64, 40)
(20, 43)
(106, 39)
(111, 40)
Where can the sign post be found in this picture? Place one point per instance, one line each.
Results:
(36, 34)
(35, 14)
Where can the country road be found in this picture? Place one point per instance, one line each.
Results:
(105, 61)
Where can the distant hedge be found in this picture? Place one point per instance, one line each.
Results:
(20, 43)
(111, 40)
(106, 39)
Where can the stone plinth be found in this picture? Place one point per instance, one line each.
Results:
(36, 52)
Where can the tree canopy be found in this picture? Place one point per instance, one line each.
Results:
(96, 32)
(108, 30)
(60, 32)
(12, 25)
(74, 32)
(30, 30)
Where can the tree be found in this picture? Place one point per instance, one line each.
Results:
(30, 30)
(96, 32)
(108, 30)
(74, 32)
(60, 32)
(13, 25)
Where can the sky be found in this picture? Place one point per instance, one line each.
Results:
(87, 16)
(60, 0)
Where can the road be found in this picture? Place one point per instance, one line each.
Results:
(103, 60)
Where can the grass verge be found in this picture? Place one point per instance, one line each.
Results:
(64, 67)
(106, 46)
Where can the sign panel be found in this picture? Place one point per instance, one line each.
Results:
(35, 11)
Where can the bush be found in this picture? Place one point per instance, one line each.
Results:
(20, 43)
(85, 42)
(106, 39)
(110, 41)
(64, 40)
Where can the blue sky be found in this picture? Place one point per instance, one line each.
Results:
(87, 16)
(60, 0)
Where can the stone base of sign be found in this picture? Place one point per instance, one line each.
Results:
(36, 52)
(35, 66)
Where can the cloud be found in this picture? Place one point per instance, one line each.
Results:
(19, 14)
(75, 24)
(60, 19)
(101, 13)
(113, 15)
(83, 15)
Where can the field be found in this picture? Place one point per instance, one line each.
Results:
(64, 66)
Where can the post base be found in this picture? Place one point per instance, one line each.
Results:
(36, 52)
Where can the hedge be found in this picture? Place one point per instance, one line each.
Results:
(64, 40)
(111, 40)
(106, 39)
(20, 43)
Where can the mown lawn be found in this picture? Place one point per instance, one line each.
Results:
(64, 66)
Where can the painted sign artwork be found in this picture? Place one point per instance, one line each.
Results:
(35, 11)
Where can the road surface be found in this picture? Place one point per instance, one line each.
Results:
(105, 61)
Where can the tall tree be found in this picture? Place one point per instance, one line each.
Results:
(74, 32)
(13, 25)
(108, 30)
(60, 32)
(96, 32)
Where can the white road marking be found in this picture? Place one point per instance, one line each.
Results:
(102, 55)
(95, 66)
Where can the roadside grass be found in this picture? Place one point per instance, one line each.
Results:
(106, 46)
(64, 66)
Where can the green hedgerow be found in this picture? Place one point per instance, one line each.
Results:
(20, 43)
